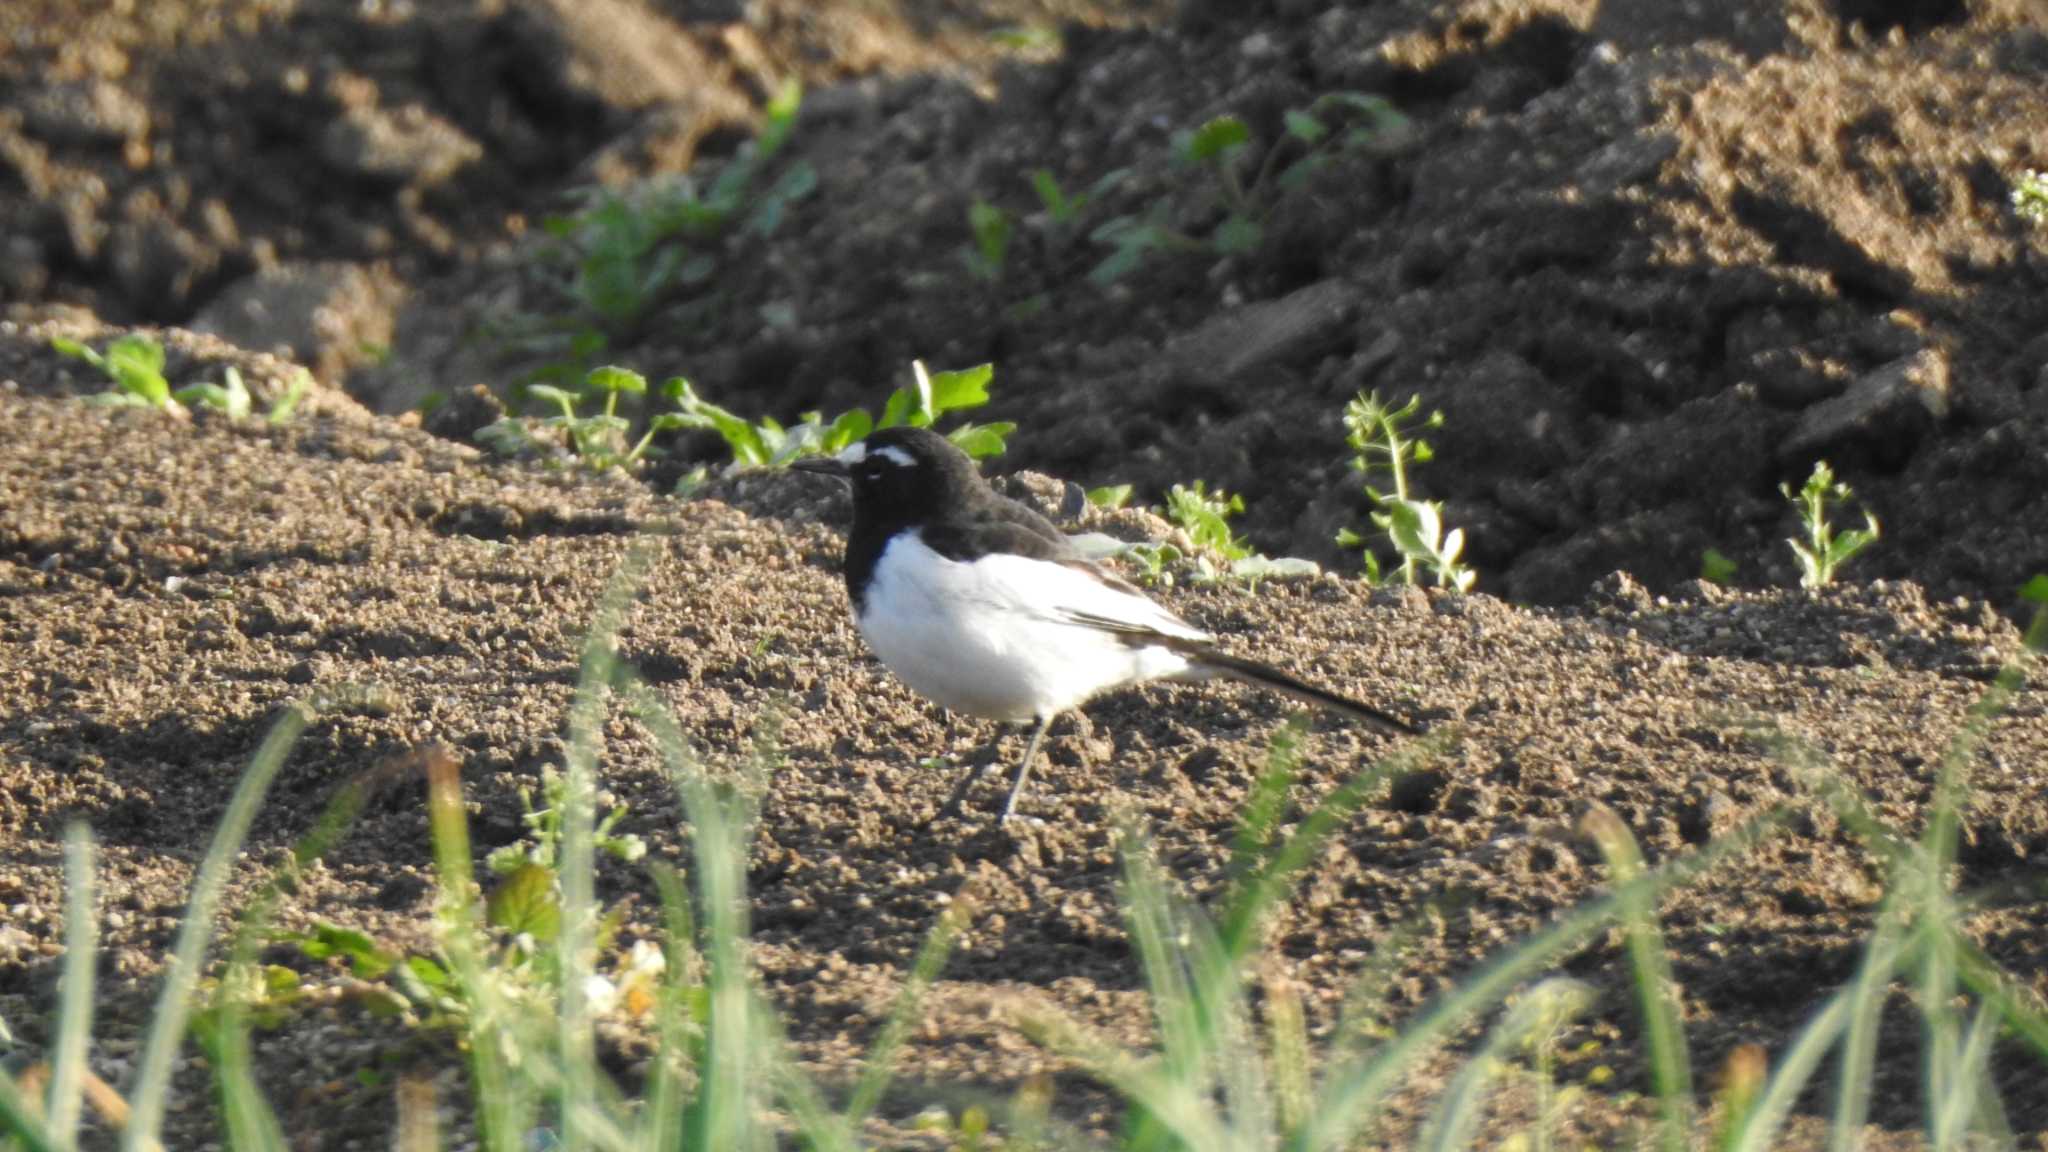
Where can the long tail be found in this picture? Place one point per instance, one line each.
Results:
(1208, 660)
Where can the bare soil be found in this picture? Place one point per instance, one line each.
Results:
(1651, 259)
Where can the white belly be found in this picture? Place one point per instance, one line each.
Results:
(985, 637)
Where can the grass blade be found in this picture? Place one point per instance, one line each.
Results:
(504, 1108)
(74, 1013)
(931, 957)
(150, 1097)
(1544, 1008)
(1656, 989)
(1758, 1132)
(1353, 1088)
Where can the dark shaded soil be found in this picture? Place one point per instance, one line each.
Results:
(167, 586)
(1652, 259)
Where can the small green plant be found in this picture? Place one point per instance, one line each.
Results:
(1109, 496)
(597, 441)
(287, 402)
(1717, 567)
(1383, 441)
(1205, 517)
(230, 397)
(1155, 562)
(1332, 125)
(135, 365)
(1059, 215)
(1824, 551)
(2030, 196)
(627, 250)
(766, 443)
(990, 226)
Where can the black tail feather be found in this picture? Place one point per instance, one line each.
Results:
(1206, 659)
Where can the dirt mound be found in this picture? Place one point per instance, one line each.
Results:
(168, 585)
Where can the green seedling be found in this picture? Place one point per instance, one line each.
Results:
(287, 401)
(135, 366)
(1060, 214)
(1716, 567)
(991, 228)
(626, 251)
(1335, 124)
(1155, 563)
(542, 845)
(2030, 196)
(1109, 496)
(1205, 517)
(230, 398)
(1824, 551)
(1382, 440)
(597, 441)
(766, 443)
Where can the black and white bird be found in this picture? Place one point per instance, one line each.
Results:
(983, 606)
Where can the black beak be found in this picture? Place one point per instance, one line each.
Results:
(820, 465)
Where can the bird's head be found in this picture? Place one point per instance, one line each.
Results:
(899, 473)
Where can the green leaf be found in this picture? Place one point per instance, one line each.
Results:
(1110, 496)
(991, 228)
(1237, 234)
(1048, 188)
(982, 440)
(1716, 567)
(961, 389)
(365, 959)
(780, 118)
(610, 378)
(287, 402)
(549, 394)
(427, 972)
(1297, 174)
(851, 427)
(1214, 139)
(2036, 589)
(77, 351)
(133, 353)
(897, 409)
(526, 903)
(1303, 126)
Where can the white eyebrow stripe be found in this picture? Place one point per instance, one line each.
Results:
(896, 455)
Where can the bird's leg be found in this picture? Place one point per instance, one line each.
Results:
(968, 778)
(1024, 769)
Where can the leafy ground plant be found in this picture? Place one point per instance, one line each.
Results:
(1823, 552)
(626, 251)
(598, 441)
(1205, 517)
(1332, 125)
(1384, 441)
(2030, 196)
(766, 443)
(134, 364)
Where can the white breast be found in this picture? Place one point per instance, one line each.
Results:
(991, 638)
